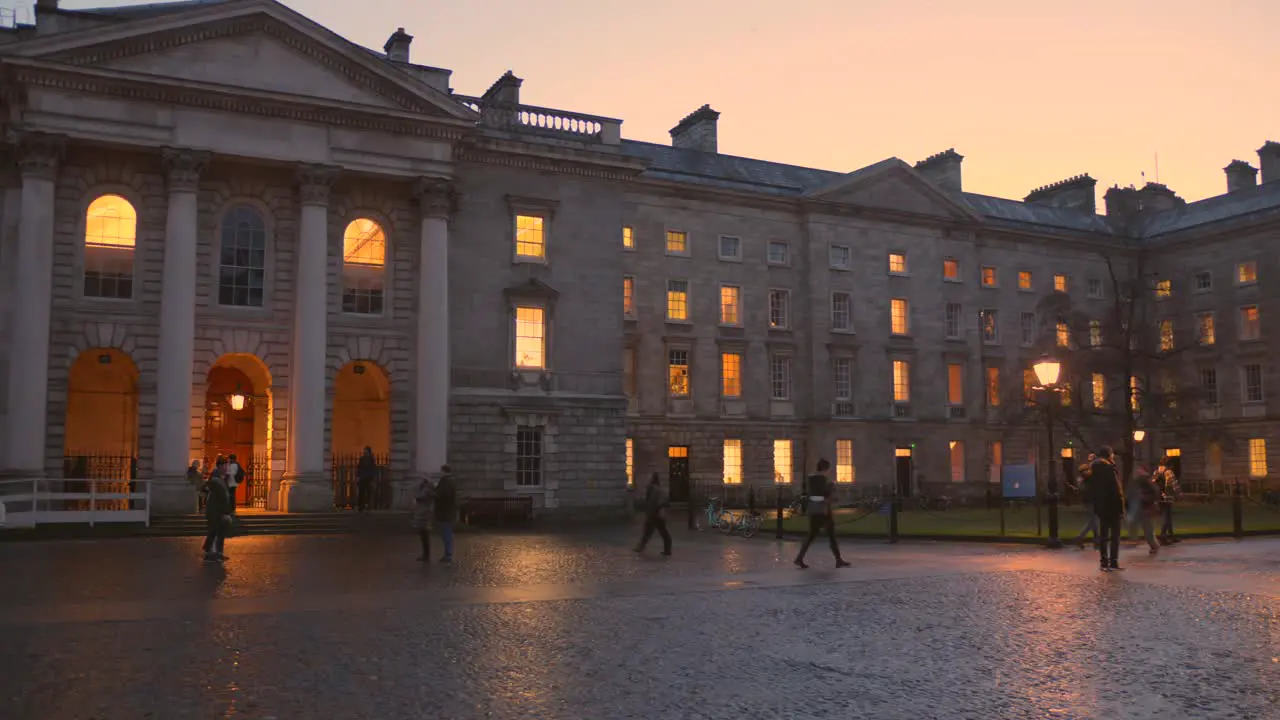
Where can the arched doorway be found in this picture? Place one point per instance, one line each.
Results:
(238, 421)
(101, 429)
(361, 418)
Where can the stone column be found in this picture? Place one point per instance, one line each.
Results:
(432, 366)
(171, 492)
(33, 287)
(306, 486)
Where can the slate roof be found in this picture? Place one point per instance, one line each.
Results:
(133, 12)
(1260, 198)
(1024, 213)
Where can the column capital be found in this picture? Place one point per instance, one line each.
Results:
(437, 196)
(183, 168)
(314, 183)
(38, 153)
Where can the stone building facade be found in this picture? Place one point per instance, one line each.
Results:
(227, 228)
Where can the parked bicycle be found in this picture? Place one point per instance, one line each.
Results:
(745, 522)
(715, 517)
(933, 502)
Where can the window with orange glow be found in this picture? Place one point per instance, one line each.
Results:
(530, 338)
(1024, 280)
(628, 237)
(364, 247)
(677, 242)
(1099, 391)
(110, 235)
(1246, 273)
(989, 277)
(732, 462)
(898, 263)
(1250, 329)
(782, 464)
(993, 386)
(628, 295)
(899, 321)
(729, 306)
(678, 372)
(1064, 334)
(901, 381)
(1060, 283)
(731, 375)
(1206, 329)
(678, 300)
(845, 472)
(1166, 336)
(531, 240)
(955, 384)
(951, 269)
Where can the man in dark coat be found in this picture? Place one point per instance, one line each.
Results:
(1108, 503)
(821, 513)
(366, 473)
(445, 510)
(217, 515)
(654, 501)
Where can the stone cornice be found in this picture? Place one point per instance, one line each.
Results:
(437, 197)
(183, 168)
(556, 159)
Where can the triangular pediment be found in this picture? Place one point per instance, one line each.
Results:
(257, 45)
(891, 185)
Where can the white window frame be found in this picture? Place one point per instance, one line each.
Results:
(781, 376)
(1244, 384)
(1022, 329)
(848, 327)
(946, 321)
(906, 263)
(785, 294)
(666, 243)
(688, 302)
(720, 305)
(848, 257)
(786, 252)
(720, 248)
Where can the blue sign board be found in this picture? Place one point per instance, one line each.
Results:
(1018, 481)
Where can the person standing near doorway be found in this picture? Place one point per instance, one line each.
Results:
(821, 514)
(446, 510)
(654, 501)
(233, 474)
(423, 499)
(1108, 504)
(366, 471)
(217, 515)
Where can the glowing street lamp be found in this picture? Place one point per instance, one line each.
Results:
(237, 399)
(1139, 435)
(1047, 371)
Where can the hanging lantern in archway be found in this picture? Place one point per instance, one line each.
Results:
(237, 399)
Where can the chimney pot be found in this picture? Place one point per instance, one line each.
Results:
(1240, 176)
(943, 169)
(1074, 193)
(697, 131)
(1269, 159)
(397, 47)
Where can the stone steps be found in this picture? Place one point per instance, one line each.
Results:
(278, 524)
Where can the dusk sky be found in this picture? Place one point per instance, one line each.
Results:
(1029, 92)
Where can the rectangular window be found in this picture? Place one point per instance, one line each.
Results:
(730, 248)
(732, 462)
(628, 295)
(1135, 392)
(841, 311)
(1205, 329)
(1064, 334)
(779, 309)
(779, 253)
(897, 263)
(1209, 384)
(844, 461)
(1027, 324)
(990, 327)
(955, 384)
(628, 237)
(731, 374)
(1164, 289)
(1095, 333)
(989, 277)
(899, 322)
(842, 379)
(951, 270)
(1024, 280)
(840, 258)
(1203, 281)
(1060, 283)
(631, 462)
(678, 372)
(780, 377)
(678, 300)
(782, 467)
(1250, 328)
(957, 461)
(531, 336)
(1095, 288)
(108, 273)
(993, 386)
(1252, 376)
(1257, 457)
(1247, 273)
(1029, 383)
(730, 309)
(901, 381)
(1166, 336)
(528, 456)
(995, 451)
(1099, 391)
(530, 237)
(1065, 393)
(951, 324)
(677, 242)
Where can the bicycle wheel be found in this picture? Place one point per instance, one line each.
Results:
(726, 522)
(750, 526)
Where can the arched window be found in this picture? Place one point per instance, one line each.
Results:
(110, 234)
(242, 264)
(364, 248)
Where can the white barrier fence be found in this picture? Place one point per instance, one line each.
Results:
(42, 501)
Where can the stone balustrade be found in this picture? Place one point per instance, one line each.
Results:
(546, 121)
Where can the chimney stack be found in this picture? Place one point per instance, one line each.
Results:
(697, 131)
(397, 47)
(1240, 176)
(1075, 193)
(943, 169)
(1269, 159)
(1155, 197)
(1123, 204)
(504, 91)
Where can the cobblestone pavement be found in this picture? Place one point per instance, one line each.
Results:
(577, 626)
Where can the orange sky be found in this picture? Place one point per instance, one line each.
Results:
(1029, 93)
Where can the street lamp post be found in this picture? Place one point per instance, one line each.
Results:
(1047, 371)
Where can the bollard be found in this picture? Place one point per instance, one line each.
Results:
(893, 520)
(1237, 512)
(778, 531)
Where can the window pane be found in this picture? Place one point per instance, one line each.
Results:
(243, 257)
(677, 300)
(780, 377)
(530, 338)
(678, 372)
(732, 462)
(528, 456)
(731, 374)
(782, 467)
(899, 322)
(530, 236)
(677, 242)
(901, 381)
(844, 461)
(729, 305)
(955, 384)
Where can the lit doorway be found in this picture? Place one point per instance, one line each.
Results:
(902, 467)
(238, 422)
(361, 418)
(100, 441)
(678, 472)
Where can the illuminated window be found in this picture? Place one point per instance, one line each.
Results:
(1099, 390)
(779, 310)
(1209, 384)
(1134, 388)
(364, 248)
(1065, 393)
(631, 462)
(1204, 323)
(845, 472)
(677, 243)
(993, 386)
(730, 248)
(782, 467)
(901, 381)
(730, 313)
(1027, 324)
(110, 235)
(989, 278)
(957, 460)
(1064, 334)
(899, 322)
(628, 237)
(1246, 273)
(898, 263)
(731, 374)
(990, 327)
(1250, 328)
(531, 240)
(1060, 283)
(628, 295)
(955, 384)
(1257, 457)
(1251, 377)
(678, 300)
(995, 451)
(678, 372)
(677, 451)
(530, 338)
(1166, 336)
(528, 456)
(780, 376)
(1024, 280)
(839, 257)
(779, 253)
(1029, 383)
(951, 269)
(242, 262)
(841, 311)
(732, 462)
(1095, 333)
(951, 320)
(1164, 289)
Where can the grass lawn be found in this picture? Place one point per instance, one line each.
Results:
(1021, 522)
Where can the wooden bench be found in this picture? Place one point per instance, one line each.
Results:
(496, 510)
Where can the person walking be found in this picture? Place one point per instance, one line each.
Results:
(446, 511)
(1148, 507)
(1086, 502)
(654, 501)
(821, 514)
(1108, 503)
(424, 498)
(1167, 484)
(366, 472)
(217, 515)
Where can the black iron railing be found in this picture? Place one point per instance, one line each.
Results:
(346, 486)
(106, 473)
